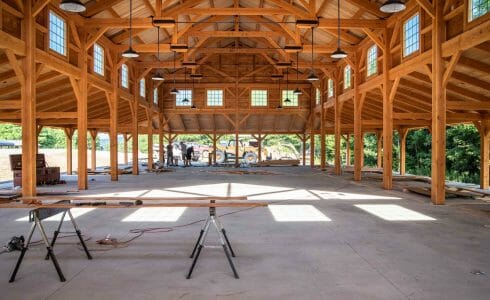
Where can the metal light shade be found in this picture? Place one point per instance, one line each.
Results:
(392, 6)
(338, 54)
(174, 91)
(287, 100)
(130, 53)
(73, 6)
(297, 91)
(279, 106)
(312, 77)
(193, 106)
(157, 77)
(185, 100)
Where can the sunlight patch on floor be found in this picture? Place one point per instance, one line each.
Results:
(229, 189)
(76, 212)
(295, 194)
(327, 195)
(155, 214)
(297, 213)
(393, 212)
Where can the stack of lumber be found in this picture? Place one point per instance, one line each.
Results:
(277, 162)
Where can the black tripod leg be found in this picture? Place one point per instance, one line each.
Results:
(197, 244)
(199, 248)
(79, 234)
(50, 250)
(17, 265)
(55, 263)
(89, 256)
(228, 242)
(23, 252)
(231, 262)
(56, 233)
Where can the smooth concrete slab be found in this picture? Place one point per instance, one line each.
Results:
(321, 243)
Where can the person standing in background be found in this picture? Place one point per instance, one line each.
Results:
(170, 154)
(183, 149)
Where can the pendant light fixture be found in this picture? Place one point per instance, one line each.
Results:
(280, 95)
(193, 105)
(297, 91)
(339, 53)
(312, 76)
(174, 91)
(287, 100)
(185, 100)
(393, 6)
(130, 53)
(157, 76)
(73, 6)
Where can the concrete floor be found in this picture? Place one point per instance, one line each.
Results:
(322, 238)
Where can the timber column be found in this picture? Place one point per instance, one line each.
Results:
(93, 149)
(322, 129)
(403, 132)
(28, 103)
(387, 89)
(379, 149)
(113, 99)
(134, 134)
(358, 140)
(484, 129)
(82, 117)
(69, 150)
(438, 169)
(337, 126)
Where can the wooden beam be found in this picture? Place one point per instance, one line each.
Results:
(438, 170)
(402, 133)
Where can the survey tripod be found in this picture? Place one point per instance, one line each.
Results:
(35, 217)
(225, 243)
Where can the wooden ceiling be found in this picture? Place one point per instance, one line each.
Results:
(236, 45)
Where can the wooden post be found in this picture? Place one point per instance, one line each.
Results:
(113, 99)
(303, 141)
(161, 148)
(402, 132)
(387, 117)
(125, 146)
(150, 138)
(28, 102)
(438, 108)
(347, 152)
(93, 149)
(214, 147)
(259, 140)
(312, 149)
(337, 127)
(484, 130)
(134, 132)
(69, 150)
(323, 151)
(358, 142)
(82, 120)
(38, 132)
(379, 149)
(237, 145)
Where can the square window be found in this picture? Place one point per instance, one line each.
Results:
(258, 97)
(57, 33)
(411, 35)
(293, 98)
(98, 59)
(155, 96)
(215, 97)
(478, 8)
(372, 60)
(183, 98)
(347, 77)
(124, 76)
(143, 88)
(330, 88)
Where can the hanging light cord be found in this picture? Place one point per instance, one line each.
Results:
(174, 69)
(338, 24)
(158, 43)
(130, 24)
(297, 66)
(312, 49)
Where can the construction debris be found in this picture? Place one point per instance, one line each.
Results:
(277, 163)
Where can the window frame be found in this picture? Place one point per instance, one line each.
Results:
(65, 34)
(97, 45)
(416, 52)
(294, 97)
(470, 23)
(124, 67)
(376, 69)
(222, 97)
(181, 92)
(266, 97)
(142, 90)
(155, 96)
(330, 89)
(350, 77)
